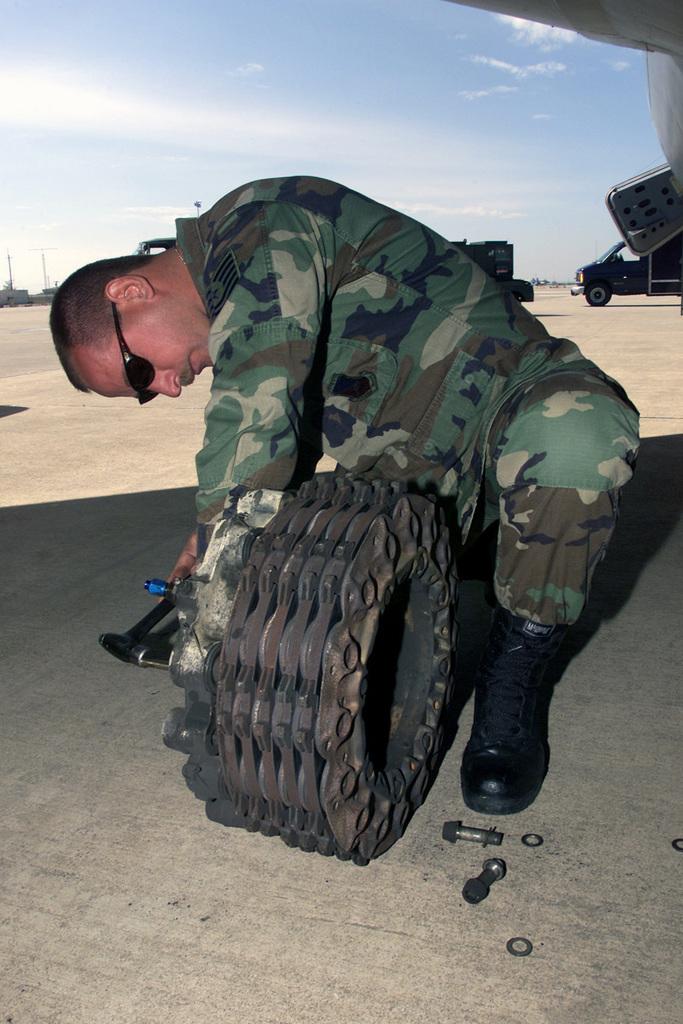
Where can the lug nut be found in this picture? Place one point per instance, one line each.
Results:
(477, 889)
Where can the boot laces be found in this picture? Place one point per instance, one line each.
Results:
(505, 711)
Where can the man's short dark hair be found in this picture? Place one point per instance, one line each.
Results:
(81, 313)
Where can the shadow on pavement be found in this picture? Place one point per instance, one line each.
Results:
(80, 567)
(650, 511)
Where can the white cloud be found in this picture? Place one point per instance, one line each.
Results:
(618, 65)
(64, 102)
(531, 33)
(477, 94)
(548, 67)
(163, 214)
(499, 65)
(46, 227)
(246, 69)
(418, 209)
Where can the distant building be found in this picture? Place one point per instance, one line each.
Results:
(14, 297)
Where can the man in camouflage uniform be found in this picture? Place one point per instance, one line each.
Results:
(336, 325)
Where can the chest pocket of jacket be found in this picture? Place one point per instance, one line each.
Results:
(358, 376)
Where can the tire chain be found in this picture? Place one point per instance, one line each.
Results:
(293, 673)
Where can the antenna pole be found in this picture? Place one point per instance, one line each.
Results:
(52, 248)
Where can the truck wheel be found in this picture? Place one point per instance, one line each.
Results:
(335, 672)
(598, 294)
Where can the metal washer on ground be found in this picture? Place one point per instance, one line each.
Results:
(513, 946)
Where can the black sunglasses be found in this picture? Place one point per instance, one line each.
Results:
(138, 370)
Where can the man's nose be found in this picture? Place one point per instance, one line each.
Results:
(166, 382)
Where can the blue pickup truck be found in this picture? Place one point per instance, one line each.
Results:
(619, 272)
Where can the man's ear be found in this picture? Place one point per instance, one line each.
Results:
(128, 288)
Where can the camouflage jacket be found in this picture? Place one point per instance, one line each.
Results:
(344, 327)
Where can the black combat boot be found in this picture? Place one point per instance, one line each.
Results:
(504, 760)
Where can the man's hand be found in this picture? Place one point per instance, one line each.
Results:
(187, 562)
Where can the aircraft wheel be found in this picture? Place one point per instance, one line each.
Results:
(336, 670)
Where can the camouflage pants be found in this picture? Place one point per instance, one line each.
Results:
(558, 454)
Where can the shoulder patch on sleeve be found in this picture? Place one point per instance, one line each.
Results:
(223, 280)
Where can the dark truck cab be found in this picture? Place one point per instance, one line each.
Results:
(619, 272)
(497, 259)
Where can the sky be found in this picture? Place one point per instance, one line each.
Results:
(117, 119)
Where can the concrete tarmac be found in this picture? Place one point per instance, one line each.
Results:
(122, 904)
